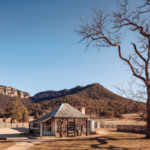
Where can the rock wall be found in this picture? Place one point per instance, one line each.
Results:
(13, 92)
(53, 94)
(50, 94)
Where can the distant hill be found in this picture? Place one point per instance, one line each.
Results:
(94, 97)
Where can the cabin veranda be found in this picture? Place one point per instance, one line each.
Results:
(64, 121)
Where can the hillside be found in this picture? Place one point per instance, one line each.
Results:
(4, 100)
(94, 97)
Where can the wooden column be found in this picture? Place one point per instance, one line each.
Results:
(29, 128)
(87, 127)
(41, 130)
(74, 126)
(67, 127)
(33, 128)
(54, 128)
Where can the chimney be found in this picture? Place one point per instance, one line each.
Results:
(82, 109)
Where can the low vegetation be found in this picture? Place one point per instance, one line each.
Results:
(112, 141)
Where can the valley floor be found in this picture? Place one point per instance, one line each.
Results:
(129, 119)
(108, 139)
(112, 141)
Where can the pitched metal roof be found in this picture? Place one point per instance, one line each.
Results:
(63, 111)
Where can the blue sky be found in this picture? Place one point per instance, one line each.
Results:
(39, 49)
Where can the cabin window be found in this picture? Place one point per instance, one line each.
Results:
(47, 126)
(31, 125)
(71, 126)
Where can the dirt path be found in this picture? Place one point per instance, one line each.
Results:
(23, 143)
(20, 146)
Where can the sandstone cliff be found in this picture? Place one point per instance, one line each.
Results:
(54, 94)
(13, 92)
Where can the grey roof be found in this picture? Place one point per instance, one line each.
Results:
(63, 111)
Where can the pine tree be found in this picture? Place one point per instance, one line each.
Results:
(4, 119)
(15, 110)
(25, 116)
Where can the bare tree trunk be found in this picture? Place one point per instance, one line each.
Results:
(148, 113)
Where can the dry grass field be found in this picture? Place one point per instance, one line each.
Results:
(112, 141)
(128, 119)
(5, 144)
(9, 119)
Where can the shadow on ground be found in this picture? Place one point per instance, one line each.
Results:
(19, 132)
(23, 130)
(13, 135)
(103, 143)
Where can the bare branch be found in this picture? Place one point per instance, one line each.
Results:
(135, 48)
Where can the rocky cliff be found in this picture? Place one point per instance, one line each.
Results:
(54, 94)
(9, 91)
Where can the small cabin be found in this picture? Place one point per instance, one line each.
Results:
(64, 121)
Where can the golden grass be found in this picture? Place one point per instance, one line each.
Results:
(5, 144)
(112, 141)
(129, 119)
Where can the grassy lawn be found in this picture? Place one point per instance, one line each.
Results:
(112, 141)
(5, 144)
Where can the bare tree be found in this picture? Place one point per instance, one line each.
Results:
(61, 126)
(104, 29)
(134, 91)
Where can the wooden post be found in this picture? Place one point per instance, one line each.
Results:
(41, 129)
(67, 127)
(33, 128)
(29, 128)
(87, 127)
(74, 126)
(54, 128)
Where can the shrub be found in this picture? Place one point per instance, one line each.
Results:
(117, 115)
(108, 113)
(36, 115)
(4, 119)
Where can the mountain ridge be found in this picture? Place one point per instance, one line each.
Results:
(94, 97)
(54, 94)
